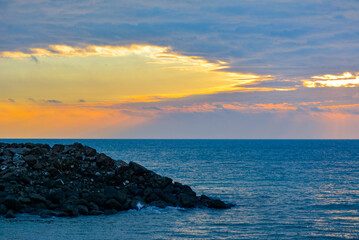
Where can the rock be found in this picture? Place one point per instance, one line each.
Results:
(38, 165)
(217, 204)
(12, 203)
(137, 168)
(71, 210)
(57, 148)
(68, 180)
(3, 209)
(159, 204)
(10, 214)
(37, 198)
(113, 204)
(98, 198)
(20, 151)
(30, 159)
(110, 211)
(119, 195)
(56, 195)
(83, 209)
(24, 200)
(90, 152)
(46, 214)
(93, 206)
(104, 160)
(187, 201)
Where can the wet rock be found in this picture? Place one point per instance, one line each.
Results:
(187, 201)
(104, 160)
(159, 204)
(137, 168)
(68, 180)
(71, 210)
(3, 209)
(119, 195)
(113, 204)
(30, 159)
(10, 214)
(83, 209)
(95, 197)
(90, 152)
(37, 198)
(216, 203)
(110, 211)
(12, 202)
(56, 195)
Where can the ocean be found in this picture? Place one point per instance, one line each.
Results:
(283, 189)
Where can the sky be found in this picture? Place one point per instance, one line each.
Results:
(249, 69)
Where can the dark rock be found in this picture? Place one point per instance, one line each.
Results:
(119, 195)
(137, 168)
(30, 159)
(89, 151)
(96, 197)
(57, 148)
(110, 211)
(56, 195)
(83, 209)
(68, 180)
(10, 214)
(47, 214)
(113, 204)
(104, 160)
(37, 198)
(218, 204)
(71, 210)
(96, 212)
(38, 165)
(3, 209)
(24, 200)
(152, 197)
(12, 202)
(159, 204)
(187, 201)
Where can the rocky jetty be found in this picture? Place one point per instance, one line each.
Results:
(72, 180)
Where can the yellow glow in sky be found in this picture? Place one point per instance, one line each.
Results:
(111, 73)
(345, 80)
(66, 91)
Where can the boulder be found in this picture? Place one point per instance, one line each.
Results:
(68, 180)
(10, 214)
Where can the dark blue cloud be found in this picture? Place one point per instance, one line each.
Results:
(53, 101)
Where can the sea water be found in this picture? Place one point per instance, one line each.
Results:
(283, 189)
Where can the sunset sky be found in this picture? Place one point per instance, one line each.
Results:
(179, 69)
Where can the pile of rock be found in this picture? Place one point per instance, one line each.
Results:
(68, 180)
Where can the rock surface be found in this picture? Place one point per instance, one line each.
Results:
(72, 180)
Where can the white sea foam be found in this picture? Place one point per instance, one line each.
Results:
(139, 206)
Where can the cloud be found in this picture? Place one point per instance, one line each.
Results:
(11, 100)
(33, 58)
(152, 108)
(53, 101)
(287, 38)
(347, 79)
(81, 101)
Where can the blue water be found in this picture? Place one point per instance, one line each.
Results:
(284, 189)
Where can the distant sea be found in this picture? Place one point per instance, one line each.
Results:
(284, 189)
